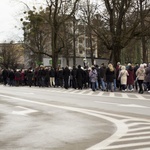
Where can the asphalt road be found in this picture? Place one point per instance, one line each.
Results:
(58, 119)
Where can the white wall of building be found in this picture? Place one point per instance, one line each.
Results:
(79, 61)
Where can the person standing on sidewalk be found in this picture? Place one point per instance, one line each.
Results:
(93, 77)
(74, 77)
(80, 76)
(5, 76)
(147, 77)
(130, 78)
(30, 76)
(66, 74)
(52, 77)
(136, 67)
(110, 75)
(123, 78)
(140, 73)
(102, 72)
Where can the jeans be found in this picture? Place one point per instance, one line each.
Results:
(93, 85)
(103, 84)
(115, 86)
(110, 86)
(96, 84)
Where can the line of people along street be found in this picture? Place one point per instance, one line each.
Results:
(104, 77)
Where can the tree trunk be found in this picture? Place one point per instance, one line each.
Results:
(116, 55)
(54, 49)
(74, 41)
(144, 50)
(91, 47)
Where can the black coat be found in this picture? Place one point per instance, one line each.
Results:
(5, 74)
(102, 72)
(80, 76)
(66, 73)
(52, 72)
(60, 74)
(11, 75)
(110, 75)
(30, 75)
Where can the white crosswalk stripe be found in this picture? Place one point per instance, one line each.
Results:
(101, 93)
(138, 134)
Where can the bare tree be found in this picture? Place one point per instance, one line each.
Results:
(11, 55)
(120, 20)
(36, 35)
(88, 12)
(144, 11)
(59, 11)
(46, 24)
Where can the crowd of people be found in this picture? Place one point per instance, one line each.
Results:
(104, 77)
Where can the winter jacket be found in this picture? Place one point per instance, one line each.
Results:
(140, 73)
(123, 76)
(93, 75)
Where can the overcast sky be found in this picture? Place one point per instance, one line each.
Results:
(6, 20)
(10, 13)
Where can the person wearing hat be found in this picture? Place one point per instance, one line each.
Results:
(80, 76)
(123, 74)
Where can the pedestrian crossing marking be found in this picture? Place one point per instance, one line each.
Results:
(82, 92)
(138, 133)
(91, 92)
(112, 94)
(140, 97)
(140, 129)
(125, 95)
(128, 145)
(101, 93)
(140, 123)
(134, 138)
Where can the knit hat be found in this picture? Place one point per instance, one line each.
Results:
(118, 63)
(141, 65)
(145, 65)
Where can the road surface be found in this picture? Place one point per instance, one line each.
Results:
(59, 119)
